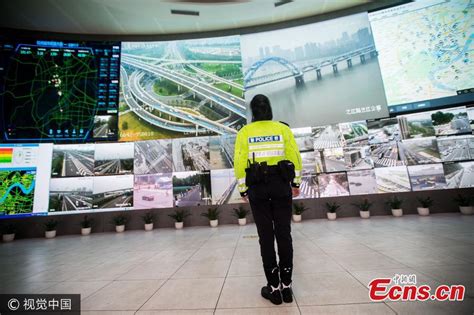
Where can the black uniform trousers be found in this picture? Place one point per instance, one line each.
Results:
(271, 204)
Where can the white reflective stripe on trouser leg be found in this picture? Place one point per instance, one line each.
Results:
(269, 153)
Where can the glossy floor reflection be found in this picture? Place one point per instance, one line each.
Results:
(203, 270)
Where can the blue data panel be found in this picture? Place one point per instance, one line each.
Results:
(58, 91)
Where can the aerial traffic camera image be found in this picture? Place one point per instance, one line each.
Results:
(181, 88)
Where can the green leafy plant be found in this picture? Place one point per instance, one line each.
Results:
(395, 202)
(299, 208)
(9, 228)
(364, 205)
(86, 222)
(120, 219)
(179, 215)
(240, 212)
(51, 225)
(211, 214)
(332, 207)
(149, 218)
(425, 202)
(462, 201)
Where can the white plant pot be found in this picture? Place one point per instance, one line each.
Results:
(148, 226)
(178, 225)
(331, 215)
(466, 210)
(50, 234)
(297, 217)
(86, 231)
(397, 212)
(119, 228)
(364, 214)
(423, 211)
(214, 223)
(8, 237)
(243, 221)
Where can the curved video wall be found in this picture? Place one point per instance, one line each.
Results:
(379, 102)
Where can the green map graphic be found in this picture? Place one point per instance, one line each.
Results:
(16, 191)
(49, 90)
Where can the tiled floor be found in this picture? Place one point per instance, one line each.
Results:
(205, 270)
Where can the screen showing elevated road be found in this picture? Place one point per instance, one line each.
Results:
(181, 89)
(58, 91)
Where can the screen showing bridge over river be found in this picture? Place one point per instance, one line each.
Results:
(319, 73)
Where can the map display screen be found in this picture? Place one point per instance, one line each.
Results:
(426, 53)
(58, 91)
(24, 177)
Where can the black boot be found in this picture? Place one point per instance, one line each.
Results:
(273, 294)
(285, 285)
(272, 290)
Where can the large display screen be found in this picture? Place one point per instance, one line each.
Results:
(316, 74)
(24, 174)
(425, 53)
(181, 89)
(58, 91)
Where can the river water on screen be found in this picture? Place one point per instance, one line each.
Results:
(321, 102)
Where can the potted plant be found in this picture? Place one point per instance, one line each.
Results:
(86, 226)
(364, 208)
(395, 204)
(213, 215)
(331, 210)
(149, 219)
(8, 232)
(425, 203)
(120, 220)
(50, 228)
(298, 209)
(241, 214)
(464, 204)
(179, 216)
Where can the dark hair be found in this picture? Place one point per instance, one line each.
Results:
(261, 108)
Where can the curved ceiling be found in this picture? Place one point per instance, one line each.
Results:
(154, 17)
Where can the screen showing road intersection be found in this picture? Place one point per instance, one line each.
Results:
(181, 89)
(58, 91)
(425, 53)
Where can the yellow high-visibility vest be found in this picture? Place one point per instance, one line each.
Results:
(269, 141)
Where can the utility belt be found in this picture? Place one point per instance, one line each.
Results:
(257, 173)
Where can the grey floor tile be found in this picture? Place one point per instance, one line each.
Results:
(107, 271)
(177, 312)
(84, 288)
(246, 267)
(186, 294)
(433, 308)
(203, 269)
(348, 309)
(151, 270)
(280, 310)
(452, 275)
(122, 295)
(354, 261)
(328, 288)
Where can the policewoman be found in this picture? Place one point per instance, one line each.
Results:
(267, 166)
